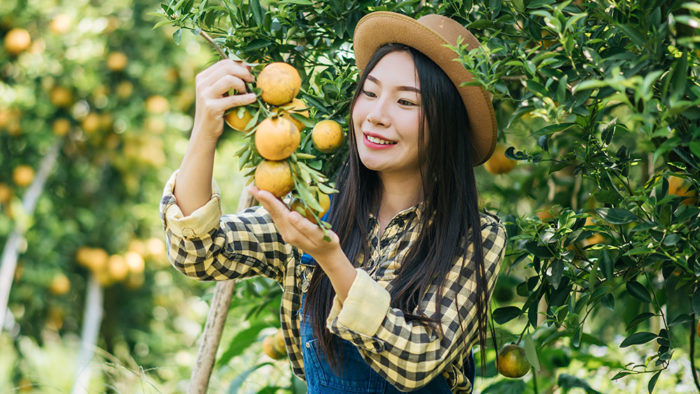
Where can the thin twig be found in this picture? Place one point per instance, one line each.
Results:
(212, 43)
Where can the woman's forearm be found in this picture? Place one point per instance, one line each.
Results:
(193, 181)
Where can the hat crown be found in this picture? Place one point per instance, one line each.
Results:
(449, 29)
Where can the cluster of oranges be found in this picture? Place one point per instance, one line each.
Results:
(273, 153)
(127, 267)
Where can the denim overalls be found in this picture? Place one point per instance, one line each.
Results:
(356, 376)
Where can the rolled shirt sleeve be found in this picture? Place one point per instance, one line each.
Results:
(409, 354)
(207, 245)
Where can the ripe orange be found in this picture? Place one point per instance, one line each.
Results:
(157, 104)
(236, 122)
(275, 177)
(270, 348)
(544, 213)
(94, 259)
(124, 89)
(498, 163)
(279, 342)
(595, 238)
(116, 61)
(280, 83)
(5, 193)
(134, 262)
(678, 187)
(327, 136)
(17, 41)
(117, 267)
(91, 123)
(60, 24)
(296, 107)
(23, 175)
(323, 200)
(61, 97)
(276, 138)
(61, 127)
(512, 362)
(60, 284)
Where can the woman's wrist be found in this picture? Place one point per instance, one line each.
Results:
(339, 270)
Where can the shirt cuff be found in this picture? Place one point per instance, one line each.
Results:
(364, 308)
(198, 223)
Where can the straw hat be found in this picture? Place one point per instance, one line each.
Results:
(429, 34)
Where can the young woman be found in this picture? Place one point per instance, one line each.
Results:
(399, 295)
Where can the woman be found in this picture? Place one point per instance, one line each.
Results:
(398, 297)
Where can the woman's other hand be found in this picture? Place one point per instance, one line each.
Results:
(212, 84)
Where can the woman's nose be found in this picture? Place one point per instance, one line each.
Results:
(378, 115)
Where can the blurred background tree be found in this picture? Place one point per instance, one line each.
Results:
(595, 175)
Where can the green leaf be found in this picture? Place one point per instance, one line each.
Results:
(554, 129)
(607, 264)
(616, 215)
(237, 382)
(652, 382)
(531, 352)
(506, 314)
(506, 386)
(638, 291)
(638, 319)
(569, 382)
(679, 78)
(240, 342)
(638, 338)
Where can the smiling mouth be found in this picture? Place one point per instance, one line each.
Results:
(380, 141)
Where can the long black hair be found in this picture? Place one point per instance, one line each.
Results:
(451, 216)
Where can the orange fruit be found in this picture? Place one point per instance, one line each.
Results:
(279, 342)
(595, 238)
(60, 127)
(276, 138)
(498, 163)
(60, 24)
(116, 61)
(61, 97)
(296, 107)
(94, 259)
(270, 349)
(327, 136)
(275, 177)
(279, 82)
(17, 41)
(157, 104)
(544, 213)
(236, 122)
(134, 262)
(124, 89)
(512, 362)
(60, 284)
(678, 187)
(117, 267)
(5, 193)
(23, 175)
(323, 200)
(91, 123)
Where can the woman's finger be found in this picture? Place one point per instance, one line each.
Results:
(237, 100)
(224, 84)
(225, 67)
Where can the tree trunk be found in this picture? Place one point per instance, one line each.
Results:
(201, 372)
(11, 251)
(91, 328)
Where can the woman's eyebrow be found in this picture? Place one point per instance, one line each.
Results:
(406, 88)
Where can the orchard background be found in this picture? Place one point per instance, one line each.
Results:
(596, 179)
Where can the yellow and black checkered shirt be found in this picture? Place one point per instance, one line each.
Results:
(207, 245)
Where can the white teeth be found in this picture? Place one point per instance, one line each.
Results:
(379, 141)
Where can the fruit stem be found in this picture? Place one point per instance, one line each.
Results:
(692, 353)
(211, 41)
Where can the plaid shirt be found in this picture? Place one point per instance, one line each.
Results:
(210, 246)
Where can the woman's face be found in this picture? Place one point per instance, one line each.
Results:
(386, 117)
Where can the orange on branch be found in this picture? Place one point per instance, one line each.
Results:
(327, 136)
(5, 193)
(323, 200)
(60, 284)
(279, 82)
(23, 175)
(117, 61)
(91, 123)
(275, 177)
(17, 41)
(270, 348)
(679, 187)
(95, 259)
(61, 97)
(498, 163)
(296, 107)
(157, 104)
(60, 24)
(276, 138)
(512, 362)
(60, 127)
(236, 122)
(117, 267)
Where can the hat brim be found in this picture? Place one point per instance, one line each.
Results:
(380, 28)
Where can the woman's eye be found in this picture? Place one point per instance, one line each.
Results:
(406, 102)
(368, 93)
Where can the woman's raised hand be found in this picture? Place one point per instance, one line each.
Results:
(212, 100)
